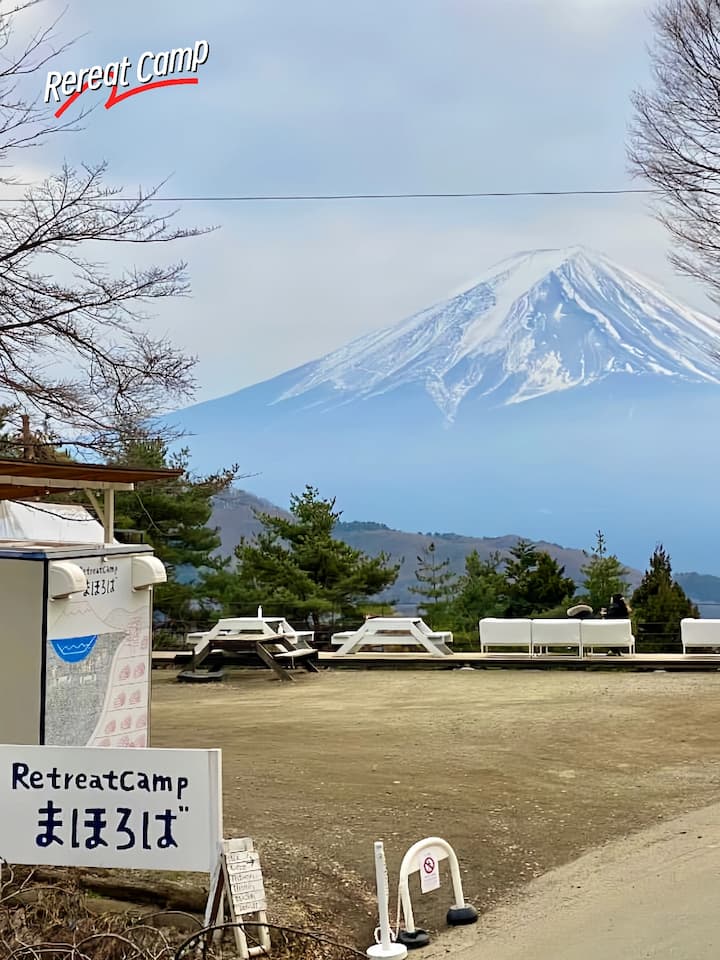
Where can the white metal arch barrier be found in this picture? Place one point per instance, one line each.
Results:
(425, 856)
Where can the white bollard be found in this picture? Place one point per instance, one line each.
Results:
(386, 946)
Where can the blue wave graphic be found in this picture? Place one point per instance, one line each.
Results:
(74, 649)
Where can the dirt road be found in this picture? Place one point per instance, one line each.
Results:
(654, 895)
(520, 771)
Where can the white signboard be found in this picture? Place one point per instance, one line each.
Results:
(88, 807)
(428, 861)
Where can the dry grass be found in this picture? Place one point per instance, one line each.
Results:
(59, 921)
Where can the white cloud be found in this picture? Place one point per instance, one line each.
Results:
(597, 19)
(16, 178)
(576, 15)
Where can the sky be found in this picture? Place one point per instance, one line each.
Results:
(363, 96)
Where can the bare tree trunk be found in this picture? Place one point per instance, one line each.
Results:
(28, 451)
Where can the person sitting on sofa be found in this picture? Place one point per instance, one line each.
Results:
(618, 610)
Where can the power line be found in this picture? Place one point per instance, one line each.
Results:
(304, 197)
(60, 516)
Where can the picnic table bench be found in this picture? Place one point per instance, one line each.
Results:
(271, 639)
(393, 631)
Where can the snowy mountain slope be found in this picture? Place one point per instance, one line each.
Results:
(559, 394)
(539, 322)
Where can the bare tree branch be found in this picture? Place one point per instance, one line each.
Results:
(73, 350)
(675, 136)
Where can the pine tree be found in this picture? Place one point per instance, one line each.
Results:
(535, 582)
(480, 592)
(548, 584)
(659, 600)
(173, 516)
(436, 585)
(296, 567)
(604, 575)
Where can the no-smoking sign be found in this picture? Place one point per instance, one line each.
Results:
(429, 871)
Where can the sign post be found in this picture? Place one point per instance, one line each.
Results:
(147, 809)
(238, 887)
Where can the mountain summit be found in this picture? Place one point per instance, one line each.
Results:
(558, 394)
(537, 323)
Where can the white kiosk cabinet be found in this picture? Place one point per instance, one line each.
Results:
(75, 642)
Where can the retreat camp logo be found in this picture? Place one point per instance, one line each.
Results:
(152, 70)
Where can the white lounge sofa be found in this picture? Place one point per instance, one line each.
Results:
(699, 633)
(607, 634)
(538, 635)
(556, 633)
(499, 632)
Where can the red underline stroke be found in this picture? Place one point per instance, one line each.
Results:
(116, 97)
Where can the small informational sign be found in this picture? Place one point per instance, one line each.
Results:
(238, 886)
(102, 578)
(145, 809)
(245, 880)
(429, 865)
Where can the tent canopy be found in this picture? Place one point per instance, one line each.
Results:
(48, 523)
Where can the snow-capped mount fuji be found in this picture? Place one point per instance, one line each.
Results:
(536, 323)
(556, 395)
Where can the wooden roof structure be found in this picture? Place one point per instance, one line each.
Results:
(28, 479)
(20, 479)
